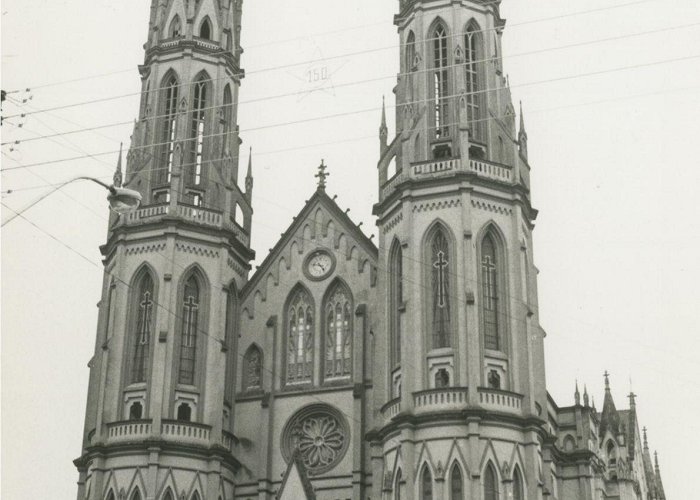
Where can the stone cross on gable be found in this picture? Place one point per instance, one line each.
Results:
(322, 175)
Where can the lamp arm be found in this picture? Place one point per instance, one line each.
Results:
(49, 193)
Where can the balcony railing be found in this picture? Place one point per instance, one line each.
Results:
(186, 432)
(391, 409)
(443, 168)
(495, 399)
(446, 398)
(203, 216)
(128, 431)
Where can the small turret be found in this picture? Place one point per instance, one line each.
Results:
(585, 396)
(522, 134)
(577, 395)
(117, 179)
(383, 131)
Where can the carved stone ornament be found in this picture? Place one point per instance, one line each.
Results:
(321, 434)
(459, 55)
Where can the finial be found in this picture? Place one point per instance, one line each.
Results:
(522, 118)
(656, 460)
(383, 113)
(577, 395)
(250, 162)
(322, 175)
(593, 404)
(633, 402)
(249, 176)
(585, 395)
(646, 442)
(117, 179)
(607, 380)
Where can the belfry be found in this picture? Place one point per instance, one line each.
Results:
(410, 368)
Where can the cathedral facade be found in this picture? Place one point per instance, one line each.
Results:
(409, 368)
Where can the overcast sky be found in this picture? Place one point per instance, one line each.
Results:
(614, 175)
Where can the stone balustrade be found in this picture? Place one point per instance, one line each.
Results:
(391, 409)
(186, 432)
(491, 170)
(227, 440)
(128, 431)
(498, 400)
(203, 216)
(445, 398)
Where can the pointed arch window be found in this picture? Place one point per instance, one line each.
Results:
(441, 269)
(456, 483)
(229, 336)
(490, 484)
(144, 328)
(188, 338)
(136, 495)
(300, 337)
(397, 486)
(490, 292)
(168, 495)
(338, 338)
(227, 117)
(205, 29)
(396, 300)
(426, 488)
(440, 81)
(253, 369)
(170, 91)
(110, 496)
(410, 52)
(175, 30)
(199, 106)
(472, 45)
(518, 489)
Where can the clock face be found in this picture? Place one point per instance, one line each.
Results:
(319, 264)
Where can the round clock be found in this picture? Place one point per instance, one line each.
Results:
(319, 265)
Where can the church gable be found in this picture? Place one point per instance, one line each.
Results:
(321, 243)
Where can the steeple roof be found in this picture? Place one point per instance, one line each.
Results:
(609, 418)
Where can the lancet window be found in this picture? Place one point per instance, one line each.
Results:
(456, 483)
(300, 337)
(440, 81)
(472, 45)
(518, 491)
(170, 92)
(199, 107)
(252, 369)
(188, 337)
(426, 488)
(490, 292)
(338, 338)
(490, 484)
(396, 301)
(441, 300)
(144, 327)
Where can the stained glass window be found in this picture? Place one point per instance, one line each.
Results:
(338, 342)
(440, 81)
(440, 260)
(490, 293)
(188, 339)
(144, 326)
(300, 337)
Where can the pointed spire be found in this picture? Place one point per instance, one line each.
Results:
(577, 395)
(656, 461)
(585, 395)
(117, 179)
(249, 176)
(522, 134)
(646, 441)
(383, 130)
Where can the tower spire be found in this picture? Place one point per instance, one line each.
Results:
(585, 395)
(117, 179)
(383, 130)
(522, 134)
(577, 395)
(249, 176)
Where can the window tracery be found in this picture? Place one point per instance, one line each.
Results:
(490, 293)
(440, 81)
(472, 45)
(441, 314)
(338, 341)
(199, 106)
(188, 339)
(300, 337)
(170, 96)
(142, 333)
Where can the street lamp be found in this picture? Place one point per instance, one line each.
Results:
(121, 200)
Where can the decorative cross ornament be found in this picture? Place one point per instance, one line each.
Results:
(441, 264)
(146, 304)
(191, 307)
(322, 175)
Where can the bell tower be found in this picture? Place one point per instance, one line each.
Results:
(460, 330)
(159, 413)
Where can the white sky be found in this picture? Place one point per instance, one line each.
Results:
(616, 240)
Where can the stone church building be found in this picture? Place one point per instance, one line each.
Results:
(340, 368)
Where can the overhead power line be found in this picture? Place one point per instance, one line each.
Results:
(550, 80)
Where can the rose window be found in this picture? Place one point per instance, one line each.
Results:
(320, 434)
